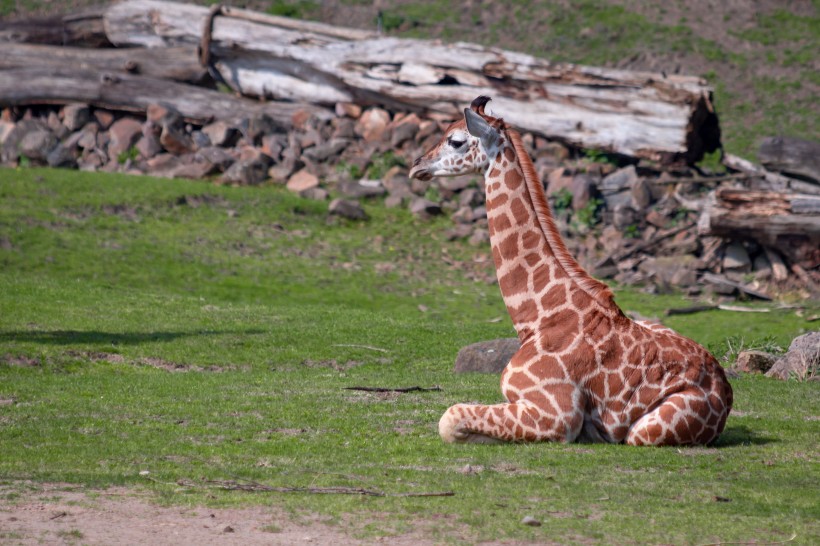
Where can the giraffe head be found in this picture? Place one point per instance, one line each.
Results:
(466, 146)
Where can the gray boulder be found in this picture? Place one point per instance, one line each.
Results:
(802, 361)
(487, 356)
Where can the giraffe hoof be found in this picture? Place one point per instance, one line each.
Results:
(452, 431)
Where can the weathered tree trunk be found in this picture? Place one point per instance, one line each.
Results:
(788, 222)
(793, 156)
(84, 28)
(174, 63)
(20, 86)
(632, 113)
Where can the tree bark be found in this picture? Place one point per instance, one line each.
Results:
(632, 113)
(84, 28)
(792, 156)
(174, 63)
(21, 86)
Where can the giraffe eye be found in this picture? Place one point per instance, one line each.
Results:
(455, 143)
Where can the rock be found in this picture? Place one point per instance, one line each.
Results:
(348, 109)
(274, 145)
(622, 179)
(480, 236)
(175, 140)
(260, 125)
(394, 201)
(762, 267)
(531, 521)
(248, 171)
(347, 209)
(362, 188)
(623, 215)
(464, 215)
(460, 231)
(161, 114)
(424, 207)
(302, 181)
(14, 137)
(76, 115)
(200, 139)
(218, 157)
(372, 124)
(104, 118)
(558, 180)
(62, 156)
(403, 130)
(456, 183)
(735, 258)
(802, 361)
(343, 128)
(200, 167)
(582, 188)
(316, 194)
(37, 144)
(641, 194)
(487, 356)
(754, 362)
(149, 145)
(669, 271)
(613, 200)
(124, 133)
(222, 134)
(326, 150)
(6, 127)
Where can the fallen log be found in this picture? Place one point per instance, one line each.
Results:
(792, 156)
(785, 221)
(84, 28)
(665, 118)
(23, 86)
(174, 63)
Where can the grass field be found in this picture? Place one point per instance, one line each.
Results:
(164, 335)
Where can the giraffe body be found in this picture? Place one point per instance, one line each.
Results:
(585, 371)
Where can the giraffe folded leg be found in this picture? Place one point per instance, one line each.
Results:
(513, 422)
(685, 418)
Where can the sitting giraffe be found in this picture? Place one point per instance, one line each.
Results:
(585, 371)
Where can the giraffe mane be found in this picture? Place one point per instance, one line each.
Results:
(595, 288)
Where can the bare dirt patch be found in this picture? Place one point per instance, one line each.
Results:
(61, 514)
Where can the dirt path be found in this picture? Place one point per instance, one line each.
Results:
(60, 514)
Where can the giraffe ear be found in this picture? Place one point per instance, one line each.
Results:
(479, 128)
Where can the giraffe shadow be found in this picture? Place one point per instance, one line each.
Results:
(738, 435)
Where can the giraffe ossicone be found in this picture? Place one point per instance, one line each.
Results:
(585, 371)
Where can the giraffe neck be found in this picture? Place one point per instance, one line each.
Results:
(535, 271)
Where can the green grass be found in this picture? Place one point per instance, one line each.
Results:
(198, 332)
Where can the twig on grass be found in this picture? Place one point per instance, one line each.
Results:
(398, 389)
(370, 347)
(231, 485)
(794, 536)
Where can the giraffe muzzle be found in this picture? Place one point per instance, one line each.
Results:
(420, 171)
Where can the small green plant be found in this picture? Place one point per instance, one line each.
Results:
(24, 162)
(712, 163)
(597, 156)
(390, 21)
(299, 9)
(380, 164)
(632, 231)
(131, 153)
(562, 200)
(588, 215)
(353, 171)
(433, 194)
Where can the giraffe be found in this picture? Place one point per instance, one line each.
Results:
(585, 371)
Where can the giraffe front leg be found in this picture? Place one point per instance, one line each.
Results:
(513, 422)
